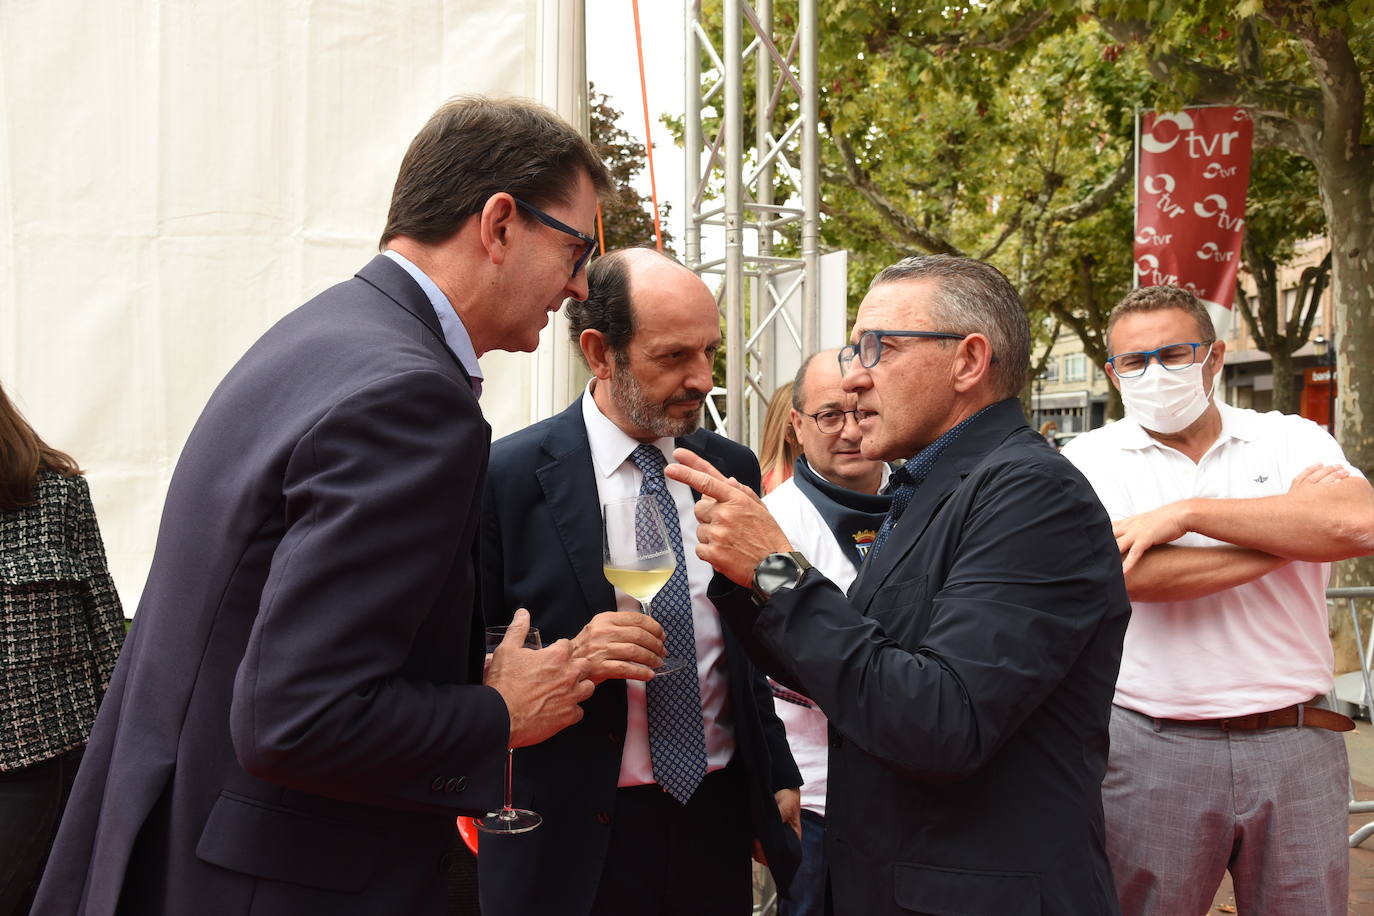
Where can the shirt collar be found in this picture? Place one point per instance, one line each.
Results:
(450, 325)
(921, 463)
(610, 446)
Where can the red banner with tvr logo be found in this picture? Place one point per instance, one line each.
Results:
(1190, 200)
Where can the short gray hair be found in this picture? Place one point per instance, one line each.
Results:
(972, 297)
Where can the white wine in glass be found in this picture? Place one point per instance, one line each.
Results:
(638, 557)
(509, 819)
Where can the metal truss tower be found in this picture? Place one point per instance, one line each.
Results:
(784, 96)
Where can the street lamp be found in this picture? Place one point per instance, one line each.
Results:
(1036, 410)
(1326, 355)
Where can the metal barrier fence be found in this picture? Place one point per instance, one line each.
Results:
(1364, 648)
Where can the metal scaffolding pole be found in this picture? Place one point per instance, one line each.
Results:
(745, 231)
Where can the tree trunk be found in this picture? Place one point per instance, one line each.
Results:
(1349, 206)
(1285, 396)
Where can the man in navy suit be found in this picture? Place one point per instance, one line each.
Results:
(651, 802)
(968, 674)
(299, 712)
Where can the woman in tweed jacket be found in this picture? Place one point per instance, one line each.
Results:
(61, 628)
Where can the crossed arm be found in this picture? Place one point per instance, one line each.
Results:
(1326, 515)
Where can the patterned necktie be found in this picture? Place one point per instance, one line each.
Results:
(677, 735)
(901, 498)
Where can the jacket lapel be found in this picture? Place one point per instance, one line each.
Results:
(568, 481)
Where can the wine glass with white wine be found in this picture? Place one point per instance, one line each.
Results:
(509, 819)
(638, 557)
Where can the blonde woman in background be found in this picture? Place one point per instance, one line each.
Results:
(780, 448)
(61, 628)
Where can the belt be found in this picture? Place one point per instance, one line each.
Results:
(1288, 717)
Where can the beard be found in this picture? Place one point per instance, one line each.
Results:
(644, 413)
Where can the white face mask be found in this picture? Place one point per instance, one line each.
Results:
(1165, 401)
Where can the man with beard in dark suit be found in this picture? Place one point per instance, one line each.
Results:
(650, 803)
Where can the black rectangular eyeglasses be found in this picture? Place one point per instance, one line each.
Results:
(561, 226)
(870, 346)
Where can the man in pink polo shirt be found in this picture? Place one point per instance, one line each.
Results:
(1227, 521)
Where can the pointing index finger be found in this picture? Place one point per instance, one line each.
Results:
(699, 474)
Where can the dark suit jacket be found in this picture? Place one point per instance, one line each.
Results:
(968, 679)
(541, 549)
(296, 719)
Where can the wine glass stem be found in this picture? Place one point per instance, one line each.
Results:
(510, 757)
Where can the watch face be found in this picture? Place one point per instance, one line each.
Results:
(777, 571)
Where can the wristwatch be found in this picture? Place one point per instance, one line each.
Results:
(775, 571)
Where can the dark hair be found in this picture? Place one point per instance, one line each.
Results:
(973, 297)
(1156, 298)
(474, 147)
(607, 307)
(799, 380)
(22, 455)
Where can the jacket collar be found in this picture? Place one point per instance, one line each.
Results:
(392, 281)
(983, 434)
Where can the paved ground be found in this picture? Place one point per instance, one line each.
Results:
(1360, 745)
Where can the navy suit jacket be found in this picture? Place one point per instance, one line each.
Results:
(297, 716)
(968, 679)
(541, 549)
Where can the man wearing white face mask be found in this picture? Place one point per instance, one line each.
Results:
(1227, 521)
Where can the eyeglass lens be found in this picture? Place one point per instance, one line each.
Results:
(1174, 356)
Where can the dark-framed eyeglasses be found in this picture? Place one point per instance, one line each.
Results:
(831, 420)
(869, 349)
(561, 226)
(1172, 357)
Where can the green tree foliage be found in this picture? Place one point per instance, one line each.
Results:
(627, 218)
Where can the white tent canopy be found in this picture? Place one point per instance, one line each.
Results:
(174, 177)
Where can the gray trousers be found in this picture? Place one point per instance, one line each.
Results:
(1185, 804)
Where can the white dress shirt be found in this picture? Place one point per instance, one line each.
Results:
(618, 478)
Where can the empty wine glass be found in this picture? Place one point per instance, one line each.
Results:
(509, 819)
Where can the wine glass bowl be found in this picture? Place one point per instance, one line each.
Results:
(637, 556)
(510, 819)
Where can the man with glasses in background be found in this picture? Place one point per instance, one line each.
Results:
(1227, 521)
(968, 673)
(830, 509)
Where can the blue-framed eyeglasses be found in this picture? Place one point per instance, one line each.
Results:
(869, 349)
(1172, 357)
(561, 226)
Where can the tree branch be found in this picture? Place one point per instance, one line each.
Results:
(1012, 225)
(893, 215)
(1099, 197)
(1281, 99)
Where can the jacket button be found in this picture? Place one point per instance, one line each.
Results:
(462, 784)
(613, 737)
(603, 818)
(437, 785)
(451, 785)
(446, 862)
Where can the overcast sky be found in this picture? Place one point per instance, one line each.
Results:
(613, 67)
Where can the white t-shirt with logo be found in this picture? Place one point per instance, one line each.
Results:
(1258, 646)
